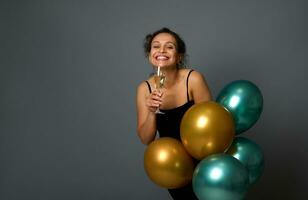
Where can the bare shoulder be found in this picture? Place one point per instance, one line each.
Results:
(199, 87)
(185, 71)
(196, 77)
(142, 88)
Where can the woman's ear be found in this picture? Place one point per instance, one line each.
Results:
(179, 61)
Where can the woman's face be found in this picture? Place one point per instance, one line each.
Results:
(164, 51)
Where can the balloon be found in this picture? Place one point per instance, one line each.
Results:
(167, 163)
(220, 177)
(244, 100)
(250, 155)
(206, 128)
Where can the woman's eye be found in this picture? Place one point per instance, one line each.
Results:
(155, 46)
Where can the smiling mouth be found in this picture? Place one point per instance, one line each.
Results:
(161, 58)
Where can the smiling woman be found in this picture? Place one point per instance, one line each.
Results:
(182, 88)
(163, 50)
(175, 43)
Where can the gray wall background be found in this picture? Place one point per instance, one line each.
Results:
(68, 77)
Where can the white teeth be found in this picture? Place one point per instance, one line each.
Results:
(161, 58)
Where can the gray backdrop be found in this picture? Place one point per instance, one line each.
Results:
(68, 77)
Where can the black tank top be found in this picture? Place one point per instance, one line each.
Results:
(168, 124)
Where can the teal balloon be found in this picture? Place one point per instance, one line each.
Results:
(245, 102)
(220, 177)
(250, 155)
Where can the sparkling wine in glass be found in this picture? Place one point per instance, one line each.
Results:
(159, 79)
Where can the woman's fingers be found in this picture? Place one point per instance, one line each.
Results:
(157, 96)
(158, 93)
(154, 103)
(154, 100)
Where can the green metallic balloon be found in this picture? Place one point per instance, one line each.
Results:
(250, 155)
(244, 100)
(220, 177)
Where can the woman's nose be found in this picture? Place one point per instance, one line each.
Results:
(162, 49)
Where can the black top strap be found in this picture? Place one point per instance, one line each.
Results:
(149, 86)
(187, 84)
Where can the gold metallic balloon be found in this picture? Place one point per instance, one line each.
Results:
(167, 163)
(207, 128)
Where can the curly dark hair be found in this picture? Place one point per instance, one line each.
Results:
(181, 47)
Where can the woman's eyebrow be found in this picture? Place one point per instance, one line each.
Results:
(170, 43)
(166, 42)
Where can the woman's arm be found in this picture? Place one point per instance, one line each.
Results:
(199, 88)
(146, 118)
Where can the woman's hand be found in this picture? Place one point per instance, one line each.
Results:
(154, 100)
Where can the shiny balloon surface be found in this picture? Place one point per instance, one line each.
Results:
(244, 100)
(220, 177)
(167, 163)
(250, 155)
(207, 128)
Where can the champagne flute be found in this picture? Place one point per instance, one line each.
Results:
(159, 79)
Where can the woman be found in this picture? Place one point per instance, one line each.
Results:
(182, 88)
